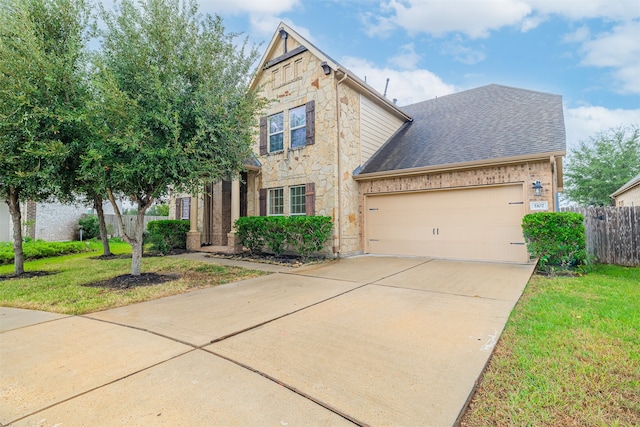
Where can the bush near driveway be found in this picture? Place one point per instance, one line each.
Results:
(168, 234)
(303, 235)
(557, 239)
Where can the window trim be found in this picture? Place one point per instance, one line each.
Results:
(270, 134)
(270, 191)
(303, 126)
(303, 189)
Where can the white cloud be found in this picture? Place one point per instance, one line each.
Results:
(581, 123)
(472, 18)
(407, 59)
(620, 50)
(256, 7)
(407, 86)
(462, 53)
(263, 15)
(478, 18)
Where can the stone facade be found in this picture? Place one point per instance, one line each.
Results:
(294, 74)
(336, 153)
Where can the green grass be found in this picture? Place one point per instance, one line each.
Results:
(63, 290)
(569, 355)
(36, 249)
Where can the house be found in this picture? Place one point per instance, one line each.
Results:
(51, 221)
(628, 194)
(448, 177)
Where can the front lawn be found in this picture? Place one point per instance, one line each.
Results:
(569, 355)
(68, 283)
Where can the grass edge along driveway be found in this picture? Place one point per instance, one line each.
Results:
(569, 355)
(64, 291)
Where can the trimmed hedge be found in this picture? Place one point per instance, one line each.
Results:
(557, 239)
(166, 235)
(36, 249)
(303, 235)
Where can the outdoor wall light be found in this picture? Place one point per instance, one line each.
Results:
(326, 68)
(537, 189)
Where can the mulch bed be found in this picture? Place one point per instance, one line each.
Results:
(127, 281)
(284, 259)
(26, 275)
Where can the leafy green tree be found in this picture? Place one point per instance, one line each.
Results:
(41, 54)
(600, 166)
(173, 106)
(159, 210)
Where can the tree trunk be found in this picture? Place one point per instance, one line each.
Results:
(16, 217)
(97, 205)
(135, 241)
(138, 240)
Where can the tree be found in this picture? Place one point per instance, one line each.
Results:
(41, 44)
(172, 105)
(600, 166)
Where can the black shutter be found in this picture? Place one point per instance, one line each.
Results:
(310, 198)
(263, 136)
(263, 201)
(311, 122)
(178, 208)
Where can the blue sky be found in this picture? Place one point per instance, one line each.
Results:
(588, 51)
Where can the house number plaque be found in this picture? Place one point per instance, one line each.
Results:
(539, 206)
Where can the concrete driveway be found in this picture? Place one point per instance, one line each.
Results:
(377, 341)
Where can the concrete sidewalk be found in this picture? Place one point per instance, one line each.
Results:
(359, 341)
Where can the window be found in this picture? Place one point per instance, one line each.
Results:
(276, 132)
(183, 206)
(297, 126)
(298, 200)
(300, 132)
(276, 201)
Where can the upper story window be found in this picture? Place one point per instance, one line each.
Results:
(298, 132)
(276, 132)
(297, 127)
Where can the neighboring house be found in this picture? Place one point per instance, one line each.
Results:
(449, 177)
(628, 194)
(50, 221)
(5, 223)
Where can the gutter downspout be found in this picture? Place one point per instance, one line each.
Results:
(338, 215)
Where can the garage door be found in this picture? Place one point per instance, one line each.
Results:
(479, 224)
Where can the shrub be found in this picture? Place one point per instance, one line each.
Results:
(303, 235)
(166, 235)
(557, 239)
(90, 226)
(36, 249)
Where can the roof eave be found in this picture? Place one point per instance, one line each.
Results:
(456, 166)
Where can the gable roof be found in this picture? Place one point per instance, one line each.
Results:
(479, 125)
(345, 75)
(631, 183)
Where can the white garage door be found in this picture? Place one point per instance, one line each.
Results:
(480, 224)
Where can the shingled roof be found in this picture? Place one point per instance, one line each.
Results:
(477, 125)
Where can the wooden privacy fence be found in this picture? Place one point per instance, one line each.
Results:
(113, 229)
(612, 233)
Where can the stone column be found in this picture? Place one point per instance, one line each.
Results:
(232, 241)
(193, 236)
